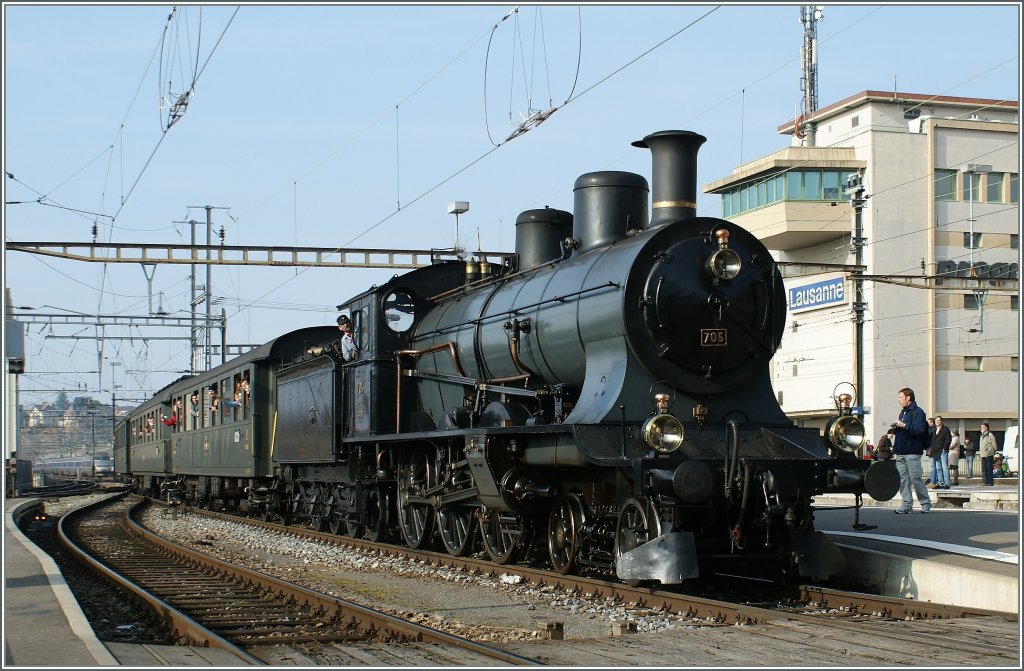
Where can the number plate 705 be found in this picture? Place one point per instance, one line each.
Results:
(713, 338)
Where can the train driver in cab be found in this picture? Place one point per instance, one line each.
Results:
(348, 345)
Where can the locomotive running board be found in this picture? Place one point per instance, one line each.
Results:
(670, 558)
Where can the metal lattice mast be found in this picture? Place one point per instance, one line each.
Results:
(809, 17)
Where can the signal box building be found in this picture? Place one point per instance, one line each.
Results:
(940, 222)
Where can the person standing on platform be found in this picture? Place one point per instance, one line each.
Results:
(884, 450)
(987, 450)
(939, 452)
(954, 459)
(927, 465)
(910, 443)
(970, 449)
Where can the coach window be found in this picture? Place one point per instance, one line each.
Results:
(178, 415)
(246, 395)
(194, 408)
(204, 405)
(236, 397)
(225, 395)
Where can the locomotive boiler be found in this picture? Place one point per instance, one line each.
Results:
(600, 402)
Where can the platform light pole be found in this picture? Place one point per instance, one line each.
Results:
(457, 208)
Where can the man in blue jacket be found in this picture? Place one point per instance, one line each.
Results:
(911, 441)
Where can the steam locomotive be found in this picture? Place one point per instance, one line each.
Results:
(601, 401)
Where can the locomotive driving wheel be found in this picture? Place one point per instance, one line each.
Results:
(638, 523)
(501, 533)
(458, 529)
(415, 517)
(564, 524)
(319, 509)
(335, 514)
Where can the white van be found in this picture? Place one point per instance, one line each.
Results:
(1011, 448)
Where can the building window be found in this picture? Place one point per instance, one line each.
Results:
(1015, 302)
(791, 185)
(945, 185)
(1014, 364)
(1014, 241)
(976, 241)
(1014, 188)
(812, 185)
(794, 185)
(780, 397)
(971, 302)
(972, 187)
(972, 363)
(794, 370)
(833, 189)
(994, 188)
(854, 122)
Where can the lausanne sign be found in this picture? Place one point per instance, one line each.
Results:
(817, 295)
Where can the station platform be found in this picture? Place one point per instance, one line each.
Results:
(965, 552)
(44, 625)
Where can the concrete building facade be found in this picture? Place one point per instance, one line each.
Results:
(940, 226)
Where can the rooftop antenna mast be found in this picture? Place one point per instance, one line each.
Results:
(809, 17)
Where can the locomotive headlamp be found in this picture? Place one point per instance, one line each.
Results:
(724, 263)
(847, 434)
(663, 432)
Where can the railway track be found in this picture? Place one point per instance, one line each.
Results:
(256, 617)
(792, 627)
(801, 603)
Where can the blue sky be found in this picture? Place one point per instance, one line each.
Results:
(313, 123)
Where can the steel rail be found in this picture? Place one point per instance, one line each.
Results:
(368, 618)
(683, 604)
(178, 620)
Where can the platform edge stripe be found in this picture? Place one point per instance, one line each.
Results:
(69, 605)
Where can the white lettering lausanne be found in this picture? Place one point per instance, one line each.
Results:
(813, 295)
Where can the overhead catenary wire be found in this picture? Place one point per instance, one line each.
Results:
(396, 152)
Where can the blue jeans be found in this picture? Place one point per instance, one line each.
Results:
(940, 470)
(911, 482)
(970, 465)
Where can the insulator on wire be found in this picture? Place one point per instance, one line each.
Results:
(95, 232)
(222, 234)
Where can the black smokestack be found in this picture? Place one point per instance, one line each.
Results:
(673, 174)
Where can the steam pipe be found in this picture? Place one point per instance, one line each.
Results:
(734, 455)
